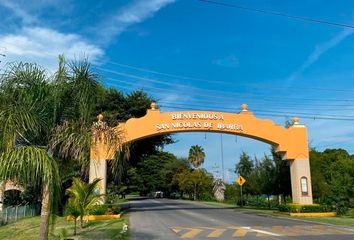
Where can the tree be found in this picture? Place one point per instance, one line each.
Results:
(150, 171)
(244, 168)
(245, 165)
(170, 173)
(83, 197)
(25, 119)
(282, 181)
(118, 107)
(267, 177)
(73, 210)
(332, 174)
(196, 183)
(196, 156)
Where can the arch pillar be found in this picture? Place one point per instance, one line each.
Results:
(300, 174)
(301, 181)
(100, 152)
(98, 169)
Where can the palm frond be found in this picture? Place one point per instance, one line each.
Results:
(85, 86)
(29, 164)
(71, 140)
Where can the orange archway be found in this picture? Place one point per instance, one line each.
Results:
(290, 142)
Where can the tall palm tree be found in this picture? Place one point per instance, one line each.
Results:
(196, 156)
(45, 121)
(25, 127)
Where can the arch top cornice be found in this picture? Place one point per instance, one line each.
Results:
(291, 142)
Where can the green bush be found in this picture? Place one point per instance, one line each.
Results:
(232, 193)
(206, 196)
(116, 209)
(313, 208)
(302, 208)
(261, 201)
(284, 208)
(341, 208)
(350, 212)
(99, 210)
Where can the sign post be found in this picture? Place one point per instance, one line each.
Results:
(240, 181)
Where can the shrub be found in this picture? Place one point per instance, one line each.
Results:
(313, 208)
(350, 212)
(284, 208)
(231, 193)
(99, 210)
(341, 208)
(116, 209)
(303, 208)
(206, 196)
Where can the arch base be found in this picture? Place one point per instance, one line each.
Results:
(301, 189)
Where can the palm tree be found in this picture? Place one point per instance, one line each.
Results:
(25, 127)
(196, 156)
(83, 196)
(73, 210)
(46, 121)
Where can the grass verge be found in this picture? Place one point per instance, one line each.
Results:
(339, 220)
(28, 228)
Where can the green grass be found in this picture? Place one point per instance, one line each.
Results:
(339, 220)
(27, 229)
(342, 221)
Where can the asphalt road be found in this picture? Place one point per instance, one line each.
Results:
(173, 219)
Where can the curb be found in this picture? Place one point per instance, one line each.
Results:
(319, 214)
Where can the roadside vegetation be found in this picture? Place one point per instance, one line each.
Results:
(46, 132)
(28, 228)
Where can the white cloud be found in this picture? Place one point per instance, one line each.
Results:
(131, 14)
(43, 45)
(318, 52)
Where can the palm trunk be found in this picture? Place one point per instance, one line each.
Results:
(81, 221)
(45, 212)
(268, 201)
(74, 226)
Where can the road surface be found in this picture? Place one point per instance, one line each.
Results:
(174, 219)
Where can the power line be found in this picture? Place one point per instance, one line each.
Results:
(280, 14)
(158, 91)
(262, 114)
(277, 112)
(180, 77)
(162, 91)
(165, 74)
(213, 91)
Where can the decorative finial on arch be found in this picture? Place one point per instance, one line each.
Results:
(296, 120)
(100, 117)
(153, 106)
(244, 107)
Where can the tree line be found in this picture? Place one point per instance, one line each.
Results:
(332, 173)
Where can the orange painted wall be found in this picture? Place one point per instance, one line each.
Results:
(292, 142)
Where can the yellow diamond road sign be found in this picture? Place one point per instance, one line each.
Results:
(240, 180)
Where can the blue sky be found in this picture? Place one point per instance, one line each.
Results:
(189, 54)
